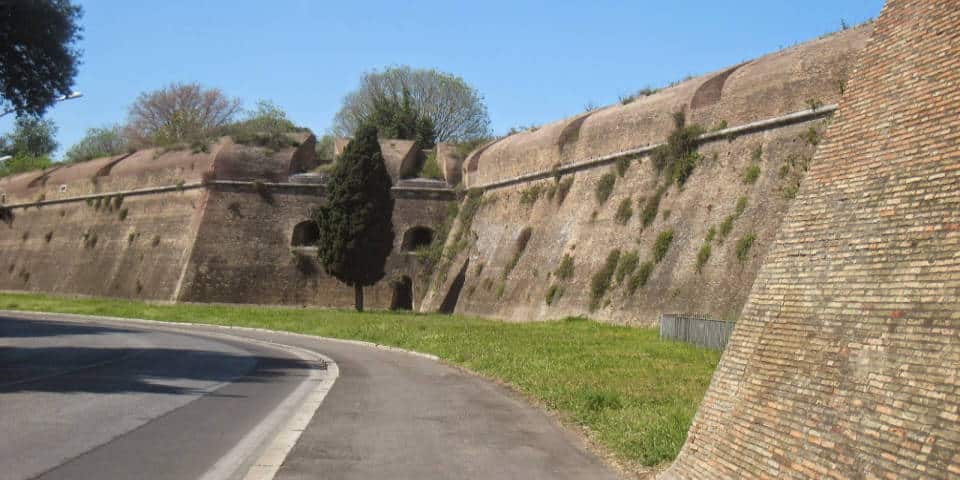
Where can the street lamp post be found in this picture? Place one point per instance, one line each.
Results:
(61, 98)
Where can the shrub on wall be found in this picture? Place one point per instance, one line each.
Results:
(565, 270)
(628, 263)
(678, 157)
(601, 280)
(624, 211)
(710, 234)
(623, 164)
(743, 246)
(605, 187)
(530, 195)
(553, 294)
(751, 174)
(702, 256)
(662, 245)
(639, 279)
(651, 206)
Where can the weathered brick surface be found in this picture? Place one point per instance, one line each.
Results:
(845, 361)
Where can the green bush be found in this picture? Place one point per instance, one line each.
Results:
(639, 279)
(431, 168)
(565, 270)
(651, 206)
(628, 263)
(743, 246)
(702, 256)
(530, 195)
(624, 211)
(605, 187)
(553, 294)
(751, 174)
(123, 214)
(741, 206)
(726, 226)
(601, 280)
(662, 245)
(710, 234)
(811, 136)
(678, 157)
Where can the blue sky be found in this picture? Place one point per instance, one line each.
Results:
(533, 61)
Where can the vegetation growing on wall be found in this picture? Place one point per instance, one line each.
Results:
(639, 279)
(624, 211)
(662, 245)
(743, 246)
(605, 187)
(677, 158)
(702, 256)
(627, 265)
(651, 205)
(600, 281)
(530, 195)
(565, 270)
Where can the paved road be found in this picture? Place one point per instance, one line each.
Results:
(166, 404)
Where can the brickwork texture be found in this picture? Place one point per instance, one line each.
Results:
(846, 360)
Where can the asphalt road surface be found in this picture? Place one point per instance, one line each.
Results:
(119, 400)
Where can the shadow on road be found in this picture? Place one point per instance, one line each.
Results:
(123, 369)
(19, 328)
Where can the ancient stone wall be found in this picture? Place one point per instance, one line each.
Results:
(184, 225)
(523, 176)
(137, 249)
(245, 252)
(844, 363)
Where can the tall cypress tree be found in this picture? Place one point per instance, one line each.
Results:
(356, 226)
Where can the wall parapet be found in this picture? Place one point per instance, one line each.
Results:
(594, 162)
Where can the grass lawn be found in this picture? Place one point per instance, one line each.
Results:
(635, 393)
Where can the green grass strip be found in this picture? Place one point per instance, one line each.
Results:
(636, 393)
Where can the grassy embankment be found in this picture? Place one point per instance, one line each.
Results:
(635, 393)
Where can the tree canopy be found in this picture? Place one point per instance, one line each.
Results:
(30, 144)
(454, 107)
(356, 220)
(98, 142)
(38, 56)
(179, 113)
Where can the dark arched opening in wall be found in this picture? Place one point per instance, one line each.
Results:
(415, 238)
(305, 234)
(402, 294)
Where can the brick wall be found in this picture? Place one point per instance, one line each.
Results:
(845, 361)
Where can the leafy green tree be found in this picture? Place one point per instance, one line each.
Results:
(38, 57)
(356, 226)
(395, 117)
(31, 136)
(267, 126)
(98, 142)
(30, 144)
(454, 107)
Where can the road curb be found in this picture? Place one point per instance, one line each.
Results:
(268, 463)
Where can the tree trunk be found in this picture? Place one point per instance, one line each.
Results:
(358, 297)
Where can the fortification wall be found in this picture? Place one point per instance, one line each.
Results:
(244, 252)
(499, 283)
(844, 362)
(770, 86)
(94, 249)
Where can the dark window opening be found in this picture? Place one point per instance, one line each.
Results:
(415, 238)
(305, 234)
(402, 294)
